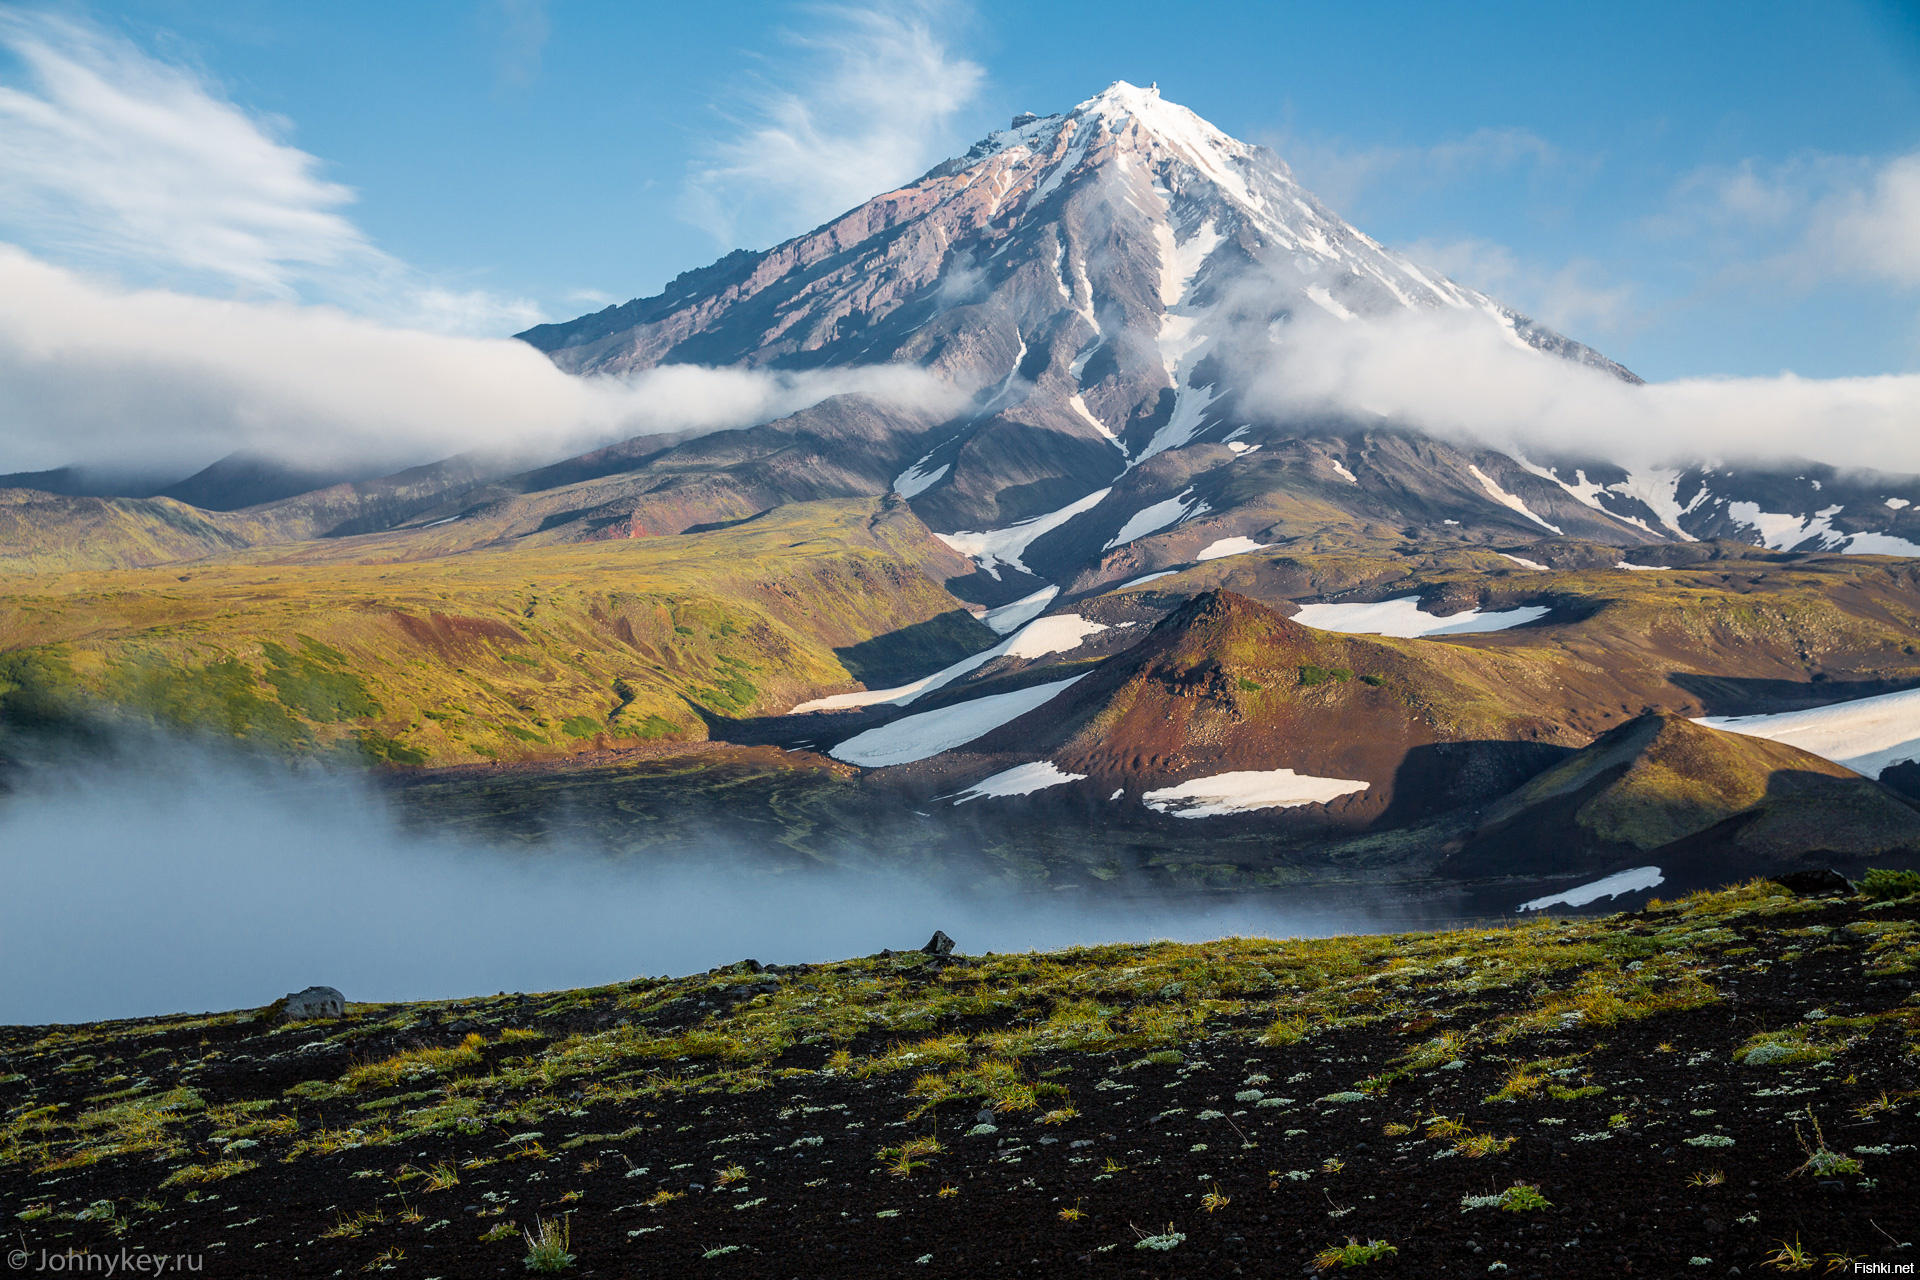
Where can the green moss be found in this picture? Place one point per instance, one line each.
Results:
(315, 691)
(38, 689)
(377, 748)
(1884, 886)
(221, 697)
(1310, 674)
(580, 726)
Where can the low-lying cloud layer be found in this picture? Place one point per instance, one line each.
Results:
(1462, 375)
(91, 373)
(193, 883)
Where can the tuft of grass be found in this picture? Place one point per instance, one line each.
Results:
(214, 1172)
(411, 1063)
(1353, 1254)
(1790, 1257)
(1482, 1144)
(902, 1160)
(1885, 886)
(1214, 1201)
(1704, 1179)
(548, 1244)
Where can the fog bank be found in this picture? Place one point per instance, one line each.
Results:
(188, 883)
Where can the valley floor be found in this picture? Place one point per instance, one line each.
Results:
(1693, 1089)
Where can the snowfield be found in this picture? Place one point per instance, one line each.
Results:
(1036, 640)
(931, 732)
(1230, 547)
(995, 547)
(1243, 792)
(1629, 881)
(1011, 617)
(1021, 780)
(1158, 516)
(1403, 618)
(1866, 735)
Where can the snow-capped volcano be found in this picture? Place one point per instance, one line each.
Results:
(1098, 281)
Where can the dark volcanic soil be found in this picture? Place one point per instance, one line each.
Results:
(1660, 1156)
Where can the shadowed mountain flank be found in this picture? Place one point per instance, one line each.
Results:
(1707, 806)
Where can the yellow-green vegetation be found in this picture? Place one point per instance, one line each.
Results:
(1141, 1003)
(489, 655)
(1353, 1254)
(1512, 1069)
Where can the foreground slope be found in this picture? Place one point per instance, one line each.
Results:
(1692, 1089)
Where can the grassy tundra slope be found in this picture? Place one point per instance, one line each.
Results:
(490, 655)
(1691, 1089)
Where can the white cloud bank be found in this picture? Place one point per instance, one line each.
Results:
(869, 105)
(94, 374)
(1461, 375)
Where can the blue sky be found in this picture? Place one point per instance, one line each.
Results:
(1700, 189)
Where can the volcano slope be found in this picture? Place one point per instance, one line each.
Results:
(1700, 803)
(1225, 685)
(1698, 1088)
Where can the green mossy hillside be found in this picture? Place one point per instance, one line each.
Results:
(483, 656)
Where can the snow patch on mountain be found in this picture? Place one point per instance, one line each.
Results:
(1403, 617)
(992, 548)
(1229, 547)
(1021, 780)
(1867, 735)
(1079, 405)
(1246, 791)
(1180, 263)
(913, 481)
(1631, 880)
(1011, 617)
(1509, 500)
(929, 733)
(1880, 544)
(1158, 516)
(1189, 408)
(1318, 292)
(1659, 488)
(1057, 634)
(1781, 532)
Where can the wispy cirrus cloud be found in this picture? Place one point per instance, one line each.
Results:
(521, 28)
(112, 159)
(1805, 221)
(1576, 297)
(1346, 176)
(862, 103)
